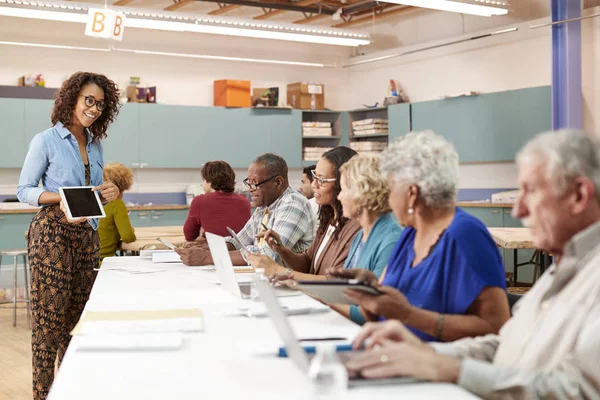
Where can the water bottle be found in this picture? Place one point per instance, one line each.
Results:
(259, 275)
(328, 375)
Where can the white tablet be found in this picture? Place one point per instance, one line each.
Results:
(81, 202)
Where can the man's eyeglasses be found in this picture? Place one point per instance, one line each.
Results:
(256, 186)
(91, 102)
(320, 180)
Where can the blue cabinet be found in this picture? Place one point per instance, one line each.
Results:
(122, 139)
(12, 132)
(147, 218)
(38, 117)
(490, 216)
(12, 232)
(398, 120)
(487, 127)
(187, 137)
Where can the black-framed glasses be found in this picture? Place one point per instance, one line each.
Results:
(91, 102)
(256, 186)
(320, 180)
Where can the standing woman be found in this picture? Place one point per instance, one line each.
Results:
(63, 253)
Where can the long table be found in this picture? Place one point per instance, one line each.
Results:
(233, 358)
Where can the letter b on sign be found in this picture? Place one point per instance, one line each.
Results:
(105, 23)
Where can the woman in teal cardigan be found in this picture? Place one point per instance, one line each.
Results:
(364, 198)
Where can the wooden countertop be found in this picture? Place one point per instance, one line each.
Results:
(133, 208)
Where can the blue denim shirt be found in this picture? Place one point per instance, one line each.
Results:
(54, 159)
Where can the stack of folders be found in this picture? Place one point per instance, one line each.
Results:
(370, 126)
(138, 330)
(314, 153)
(369, 147)
(316, 129)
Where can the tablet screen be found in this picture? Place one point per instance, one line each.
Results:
(82, 202)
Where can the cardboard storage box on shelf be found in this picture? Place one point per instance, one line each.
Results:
(306, 96)
(141, 94)
(232, 93)
(509, 197)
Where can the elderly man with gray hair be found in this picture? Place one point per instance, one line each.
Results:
(551, 346)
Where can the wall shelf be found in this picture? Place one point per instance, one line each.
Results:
(375, 136)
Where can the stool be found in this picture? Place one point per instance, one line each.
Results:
(16, 254)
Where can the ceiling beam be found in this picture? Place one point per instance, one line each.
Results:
(178, 5)
(377, 17)
(273, 13)
(122, 2)
(311, 18)
(225, 9)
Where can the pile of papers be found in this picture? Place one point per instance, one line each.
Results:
(316, 129)
(136, 330)
(314, 153)
(370, 126)
(369, 147)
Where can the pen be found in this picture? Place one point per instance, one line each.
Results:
(321, 339)
(312, 349)
(274, 240)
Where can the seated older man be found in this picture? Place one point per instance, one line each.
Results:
(551, 346)
(278, 207)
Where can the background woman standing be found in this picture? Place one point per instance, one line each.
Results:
(63, 253)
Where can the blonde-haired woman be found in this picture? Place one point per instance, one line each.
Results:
(116, 227)
(365, 198)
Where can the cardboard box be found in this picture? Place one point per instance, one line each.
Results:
(231, 93)
(141, 94)
(306, 96)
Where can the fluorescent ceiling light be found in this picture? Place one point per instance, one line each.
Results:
(166, 21)
(43, 14)
(487, 8)
(160, 53)
(236, 31)
(224, 58)
(437, 46)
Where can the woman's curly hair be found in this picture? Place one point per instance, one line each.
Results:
(327, 216)
(67, 97)
(119, 174)
(367, 186)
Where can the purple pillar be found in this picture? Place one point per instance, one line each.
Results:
(566, 66)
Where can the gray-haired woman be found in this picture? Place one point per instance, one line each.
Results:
(445, 278)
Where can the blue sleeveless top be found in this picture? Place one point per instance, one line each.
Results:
(463, 262)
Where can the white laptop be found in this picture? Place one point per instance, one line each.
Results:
(295, 350)
(226, 271)
(224, 266)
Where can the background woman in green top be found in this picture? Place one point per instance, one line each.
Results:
(116, 227)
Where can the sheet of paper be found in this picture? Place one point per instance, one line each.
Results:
(142, 326)
(142, 321)
(166, 257)
(130, 342)
(132, 271)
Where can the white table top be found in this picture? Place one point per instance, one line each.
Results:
(221, 362)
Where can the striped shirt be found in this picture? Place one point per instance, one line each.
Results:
(290, 216)
(550, 348)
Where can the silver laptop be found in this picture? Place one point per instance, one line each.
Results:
(295, 350)
(224, 266)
